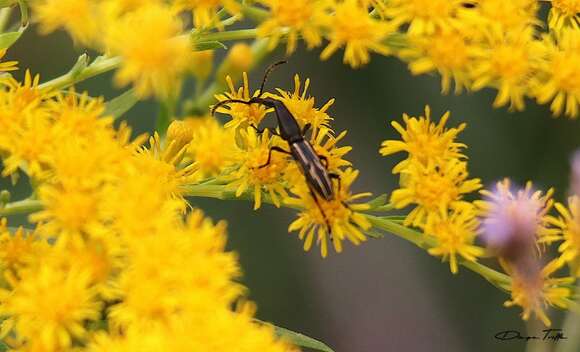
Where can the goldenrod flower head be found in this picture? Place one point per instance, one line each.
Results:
(7, 65)
(448, 52)
(352, 26)
(455, 234)
(504, 16)
(154, 56)
(568, 223)
(80, 18)
(180, 133)
(216, 329)
(564, 13)
(79, 115)
(50, 306)
(212, 148)
(534, 291)
(17, 250)
(301, 18)
(240, 58)
(515, 218)
(259, 168)
(336, 220)
(242, 115)
(425, 141)
(202, 63)
(559, 77)
(27, 144)
(21, 96)
(434, 189)
(205, 12)
(425, 16)
(302, 106)
(507, 64)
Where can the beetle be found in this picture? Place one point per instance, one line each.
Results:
(314, 167)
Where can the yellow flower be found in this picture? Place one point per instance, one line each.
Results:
(352, 26)
(559, 77)
(448, 52)
(425, 142)
(503, 16)
(80, 18)
(79, 115)
(205, 12)
(425, 16)
(7, 65)
(50, 306)
(302, 107)
(242, 115)
(301, 18)
(455, 234)
(564, 13)
(17, 250)
(435, 190)
(507, 64)
(336, 220)
(229, 331)
(159, 291)
(212, 148)
(254, 170)
(154, 56)
(568, 223)
(534, 293)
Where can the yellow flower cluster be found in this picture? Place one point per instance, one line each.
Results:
(472, 44)
(239, 155)
(115, 262)
(145, 34)
(515, 225)
(434, 178)
(476, 44)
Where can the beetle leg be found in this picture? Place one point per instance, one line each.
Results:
(260, 131)
(306, 128)
(325, 159)
(337, 178)
(274, 149)
(328, 228)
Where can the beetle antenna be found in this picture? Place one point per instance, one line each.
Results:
(268, 71)
(224, 102)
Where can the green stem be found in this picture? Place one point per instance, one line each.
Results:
(21, 207)
(106, 64)
(4, 17)
(98, 67)
(223, 192)
(229, 35)
(571, 328)
(496, 278)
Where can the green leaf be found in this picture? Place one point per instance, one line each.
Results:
(118, 106)
(3, 347)
(9, 38)
(298, 339)
(378, 201)
(7, 3)
(211, 45)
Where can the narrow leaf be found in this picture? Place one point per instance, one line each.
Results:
(299, 339)
(119, 105)
(9, 38)
(211, 45)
